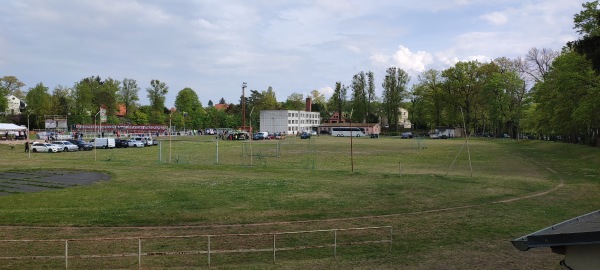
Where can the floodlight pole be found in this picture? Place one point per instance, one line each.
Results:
(170, 132)
(95, 142)
(351, 144)
(244, 85)
(28, 146)
(251, 136)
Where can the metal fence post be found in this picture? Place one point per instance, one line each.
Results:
(335, 243)
(139, 253)
(66, 254)
(208, 250)
(391, 238)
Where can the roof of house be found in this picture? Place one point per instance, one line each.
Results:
(581, 230)
(221, 106)
(121, 110)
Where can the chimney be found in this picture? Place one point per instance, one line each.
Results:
(308, 104)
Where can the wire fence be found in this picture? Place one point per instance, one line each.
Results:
(188, 250)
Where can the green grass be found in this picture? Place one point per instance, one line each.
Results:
(393, 182)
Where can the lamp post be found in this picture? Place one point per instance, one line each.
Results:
(251, 136)
(95, 142)
(244, 106)
(28, 146)
(170, 132)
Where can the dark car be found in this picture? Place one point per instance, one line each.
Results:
(406, 135)
(258, 136)
(121, 143)
(83, 146)
(305, 135)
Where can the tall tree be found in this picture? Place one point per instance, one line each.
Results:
(430, 88)
(463, 87)
(294, 102)
(359, 97)
(569, 100)
(61, 100)
(337, 102)
(9, 85)
(189, 105)
(128, 93)
(40, 103)
(394, 92)
(156, 95)
(371, 117)
(587, 24)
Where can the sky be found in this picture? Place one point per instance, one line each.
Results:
(294, 46)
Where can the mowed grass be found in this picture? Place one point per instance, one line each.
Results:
(442, 211)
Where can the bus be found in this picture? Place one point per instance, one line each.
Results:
(347, 132)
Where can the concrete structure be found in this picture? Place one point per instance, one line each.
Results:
(291, 122)
(578, 239)
(15, 105)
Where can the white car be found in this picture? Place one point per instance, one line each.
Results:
(66, 146)
(46, 147)
(134, 143)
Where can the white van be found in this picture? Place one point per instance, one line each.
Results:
(103, 142)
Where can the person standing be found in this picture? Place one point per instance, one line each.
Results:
(26, 147)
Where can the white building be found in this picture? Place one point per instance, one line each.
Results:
(15, 105)
(291, 122)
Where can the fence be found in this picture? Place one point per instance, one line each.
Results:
(209, 245)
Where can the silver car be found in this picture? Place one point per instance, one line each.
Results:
(135, 143)
(46, 147)
(66, 146)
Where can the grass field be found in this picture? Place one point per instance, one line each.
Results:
(444, 215)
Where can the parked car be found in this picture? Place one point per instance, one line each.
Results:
(258, 136)
(135, 143)
(45, 147)
(279, 135)
(66, 146)
(305, 135)
(105, 143)
(82, 145)
(406, 135)
(119, 143)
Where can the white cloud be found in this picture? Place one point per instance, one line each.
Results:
(496, 18)
(405, 59)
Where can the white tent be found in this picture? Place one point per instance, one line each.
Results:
(11, 127)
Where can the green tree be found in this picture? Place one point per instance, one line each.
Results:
(371, 117)
(40, 103)
(294, 102)
(128, 93)
(189, 105)
(431, 97)
(156, 95)
(9, 85)
(463, 87)
(337, 102)
(587, 24)
(568, 100)
(359, 97)
(394, 92)
(61, 100)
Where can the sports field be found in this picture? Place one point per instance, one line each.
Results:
(450, 205)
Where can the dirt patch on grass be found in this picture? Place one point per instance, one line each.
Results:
(15, 182)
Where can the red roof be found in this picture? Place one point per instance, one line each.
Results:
(121, 110)
(221, 107)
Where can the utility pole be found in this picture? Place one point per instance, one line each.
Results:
(244, 106)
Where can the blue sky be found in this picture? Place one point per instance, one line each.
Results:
(294, 46)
